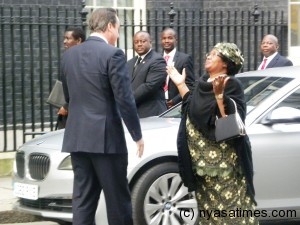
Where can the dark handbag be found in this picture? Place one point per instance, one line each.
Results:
(230, 126)
(57, 97)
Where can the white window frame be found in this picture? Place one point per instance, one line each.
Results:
(293, 50)
(138, 5)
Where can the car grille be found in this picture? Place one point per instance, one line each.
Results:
(20, 164)
(39, 165)
(58, 205)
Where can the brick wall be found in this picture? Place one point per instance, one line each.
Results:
(264, 5)
(42, 2)
(178, 4)
(246, 4)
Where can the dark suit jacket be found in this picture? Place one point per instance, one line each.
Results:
(181, 61)
(97, 86)
(279, 61)
(147, 83)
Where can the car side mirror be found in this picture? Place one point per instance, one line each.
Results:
(282, 115)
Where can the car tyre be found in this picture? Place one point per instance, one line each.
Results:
(159, 197)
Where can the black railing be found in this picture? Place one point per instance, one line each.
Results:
(31, 44)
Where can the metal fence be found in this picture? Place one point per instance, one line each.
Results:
(31, 44)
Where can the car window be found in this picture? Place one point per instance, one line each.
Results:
(292, 101)
(286, 112)
(256, 89)
(174, 112)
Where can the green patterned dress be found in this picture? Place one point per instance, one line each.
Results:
(221, 189)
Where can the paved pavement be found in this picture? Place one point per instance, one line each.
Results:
(7, 200)
(33, 223)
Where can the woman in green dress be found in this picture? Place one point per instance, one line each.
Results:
(220, 173)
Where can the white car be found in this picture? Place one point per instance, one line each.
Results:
(43, 175)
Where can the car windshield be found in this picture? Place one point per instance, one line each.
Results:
(256, 89)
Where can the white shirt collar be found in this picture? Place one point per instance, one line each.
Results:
(271, 57)
(143, 56)
(95, 34)
(171, 53)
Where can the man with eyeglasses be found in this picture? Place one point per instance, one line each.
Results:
(269, 48)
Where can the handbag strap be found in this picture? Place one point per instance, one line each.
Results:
(235, 107)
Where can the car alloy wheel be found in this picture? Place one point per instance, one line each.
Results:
(159, 197)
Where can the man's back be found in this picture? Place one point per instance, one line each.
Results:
(94, 90)
(97, 87)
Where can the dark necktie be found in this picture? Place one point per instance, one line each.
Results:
(137, 63)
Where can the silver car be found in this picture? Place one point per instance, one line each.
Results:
(43, 175)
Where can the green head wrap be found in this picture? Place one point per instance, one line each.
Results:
(231, 52)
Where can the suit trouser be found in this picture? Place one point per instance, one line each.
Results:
(94, 172)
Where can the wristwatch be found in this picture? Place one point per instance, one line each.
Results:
(219, 96)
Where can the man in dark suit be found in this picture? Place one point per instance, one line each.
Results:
(148, 71)
(73, 36)
(97, 86)
(180, 61)
(269, 48)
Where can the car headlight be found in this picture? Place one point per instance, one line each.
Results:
(66, 164)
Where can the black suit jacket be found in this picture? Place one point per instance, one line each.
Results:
(97, 86)
(279, 61)
(147, 82)
(181, 61)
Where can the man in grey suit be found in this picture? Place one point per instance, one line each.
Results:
(180, 60)
(148, 71)
(269, 48)
(97, 86)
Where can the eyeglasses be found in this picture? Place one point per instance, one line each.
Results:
(211, 54)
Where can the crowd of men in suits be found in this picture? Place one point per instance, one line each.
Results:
(153, 91)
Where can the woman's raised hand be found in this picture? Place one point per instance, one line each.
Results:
(176, 77)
